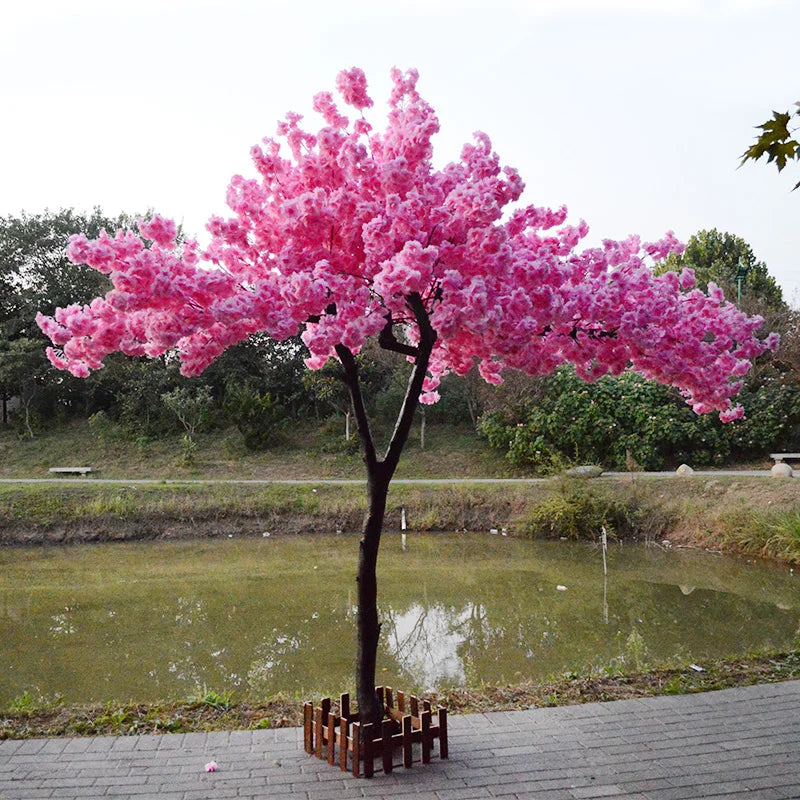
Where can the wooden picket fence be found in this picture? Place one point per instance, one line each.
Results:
(337, 735)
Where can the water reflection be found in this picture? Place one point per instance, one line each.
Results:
(153, 620)
(426, 641)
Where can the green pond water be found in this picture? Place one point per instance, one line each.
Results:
(151, 621)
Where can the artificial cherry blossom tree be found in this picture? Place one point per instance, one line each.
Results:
(350, 233)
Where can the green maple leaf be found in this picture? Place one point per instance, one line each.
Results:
(775, 142)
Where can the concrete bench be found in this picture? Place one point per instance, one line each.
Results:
(779, 458)
(70, 470)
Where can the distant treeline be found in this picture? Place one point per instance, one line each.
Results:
(260, 385)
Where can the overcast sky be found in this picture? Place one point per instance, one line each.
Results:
(633, 114)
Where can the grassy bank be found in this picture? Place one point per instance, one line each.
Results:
(27, 717)
(304, 450)
(52, 513)
(747, 515)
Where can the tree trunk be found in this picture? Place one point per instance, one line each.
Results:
(368, 626)
(379, 476)
(31, 434)
(26, 396)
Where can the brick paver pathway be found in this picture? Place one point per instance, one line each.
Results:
(737, 743)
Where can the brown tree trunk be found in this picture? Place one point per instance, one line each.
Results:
(379, 476)
(368, 626)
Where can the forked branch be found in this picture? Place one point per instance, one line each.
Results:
(427, 339)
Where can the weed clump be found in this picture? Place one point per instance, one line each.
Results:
(767, 534)
(579, 511)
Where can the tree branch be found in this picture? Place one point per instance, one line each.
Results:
(427, 338)
(387, 340)
(352, 381)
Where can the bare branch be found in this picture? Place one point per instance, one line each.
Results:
(351, 379)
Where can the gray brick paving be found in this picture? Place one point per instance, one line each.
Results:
(730, 745)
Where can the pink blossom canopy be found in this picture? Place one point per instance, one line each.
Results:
(344, 226)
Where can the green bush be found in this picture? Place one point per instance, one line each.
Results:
(139, 408)
(628, 422)
(257, 417)
(332, 437)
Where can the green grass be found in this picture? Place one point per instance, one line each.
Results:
(306, 450)
(734, 514)
(766, 534)
(27, 717)
(579, 509)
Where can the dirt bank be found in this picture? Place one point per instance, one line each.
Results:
(717, 512)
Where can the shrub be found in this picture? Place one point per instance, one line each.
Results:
(332, 437)
(256, 416)
(578, 511)
(627, 420)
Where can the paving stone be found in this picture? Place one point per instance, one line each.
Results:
(739, 743)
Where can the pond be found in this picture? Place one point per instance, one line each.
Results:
(154, 620)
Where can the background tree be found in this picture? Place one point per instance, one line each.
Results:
(776, 141)
(268, 367)
(718, 257)
(21, 375)
(191, 407)
(328, 390)
(349, 235)
(36, 275)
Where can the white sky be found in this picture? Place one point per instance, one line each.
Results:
(633, 114)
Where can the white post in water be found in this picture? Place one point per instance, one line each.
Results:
(403, 528)
(604, 541)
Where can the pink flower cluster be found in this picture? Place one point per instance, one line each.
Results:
(341, 227)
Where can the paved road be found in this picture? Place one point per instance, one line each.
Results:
(727, 745)
(742, 473)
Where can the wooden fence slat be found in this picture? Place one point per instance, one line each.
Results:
(369, 763)
(344, 705)
(425, 719)
(325, 705)
(331, 738)
(397, 716)
(318, 732)
(408, 752)
(401, 701)
(442, 714)
(379, 694)
(355, 733)
(414, 706)
(343, 744)
(386, 744)
(426, 705)
(389, 697)
(308, 727)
